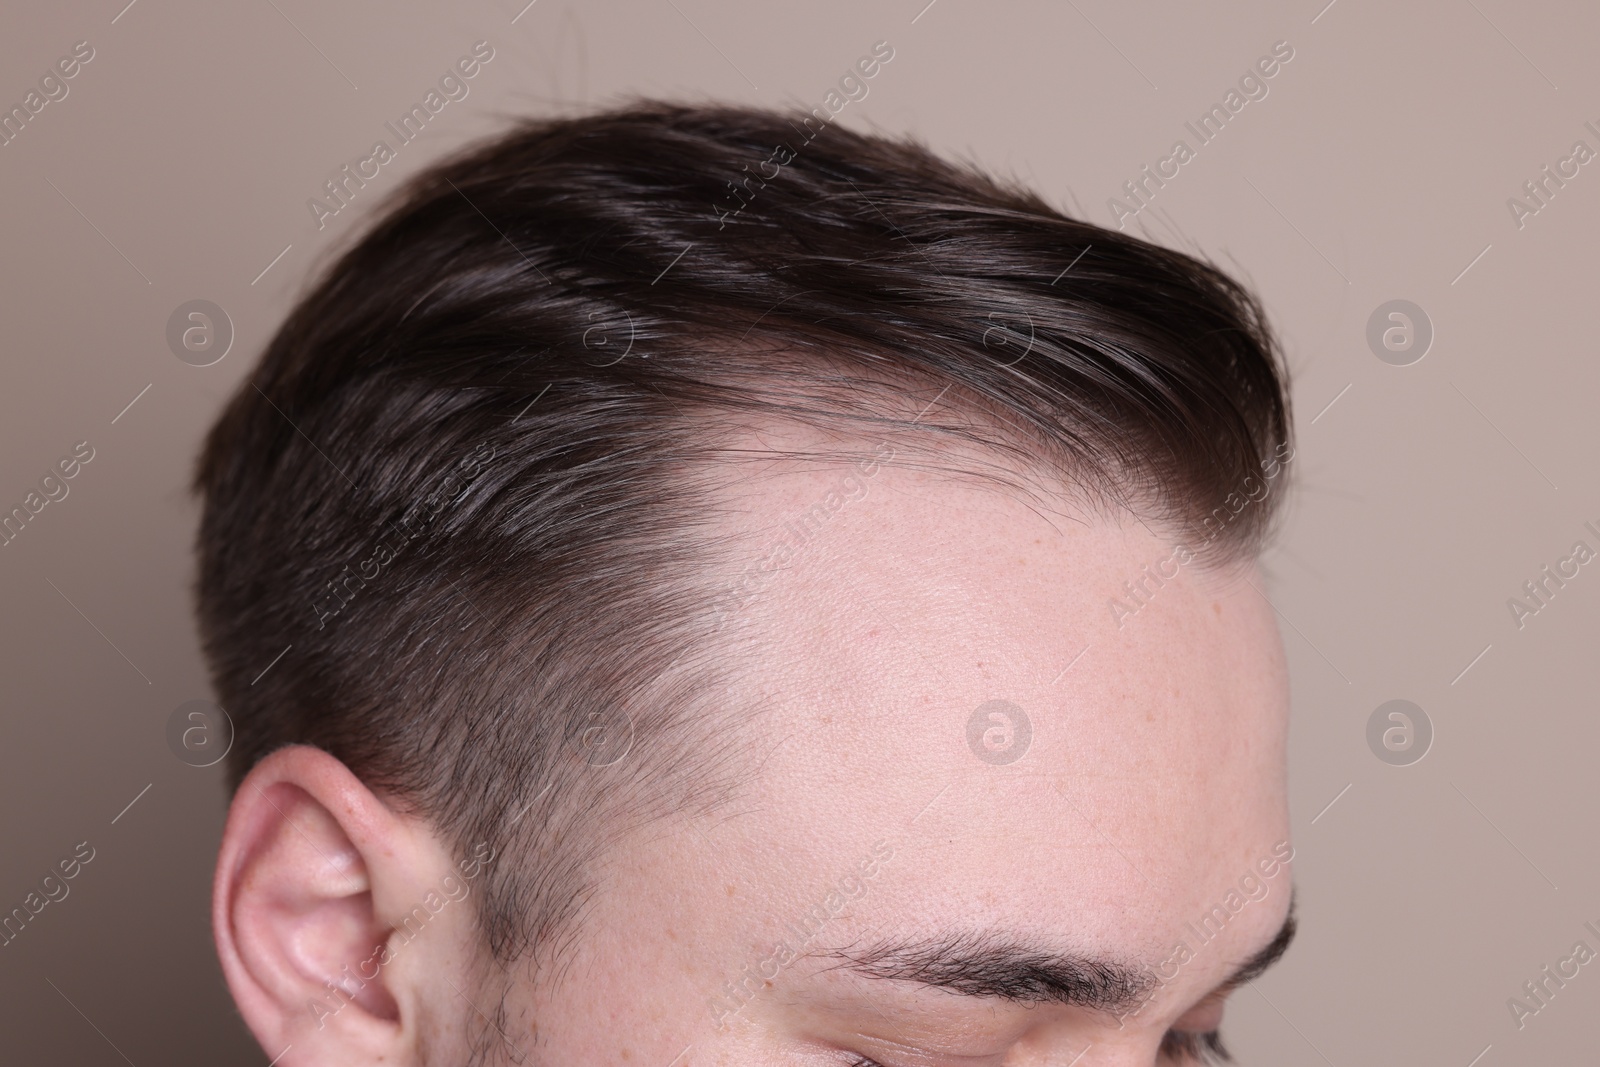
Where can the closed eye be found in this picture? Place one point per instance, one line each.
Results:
(1182, 1046)
(1177, 1046)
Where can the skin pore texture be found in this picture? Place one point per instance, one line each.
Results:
(877, 881)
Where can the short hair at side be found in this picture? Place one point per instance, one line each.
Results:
(473, 479)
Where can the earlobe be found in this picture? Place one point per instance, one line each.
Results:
(303, 855)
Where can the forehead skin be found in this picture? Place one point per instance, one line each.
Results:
(1153, 783)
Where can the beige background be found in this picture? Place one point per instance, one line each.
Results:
(1378, 167)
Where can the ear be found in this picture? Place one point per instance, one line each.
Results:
(311, 863)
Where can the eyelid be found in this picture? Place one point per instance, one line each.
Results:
(1206, 1015)
(1189, 1047)
(888, 1052)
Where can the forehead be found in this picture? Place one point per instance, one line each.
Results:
(939, 665)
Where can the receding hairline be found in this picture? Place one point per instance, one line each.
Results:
(442, 327)
(943, 430)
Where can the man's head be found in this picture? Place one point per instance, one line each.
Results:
(703, 579)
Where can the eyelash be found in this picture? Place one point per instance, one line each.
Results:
(1179, 1045)
(1186, 1047)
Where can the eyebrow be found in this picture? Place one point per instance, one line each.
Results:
(1005, 968)
(1271, 953)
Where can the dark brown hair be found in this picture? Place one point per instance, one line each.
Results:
(471, 483)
